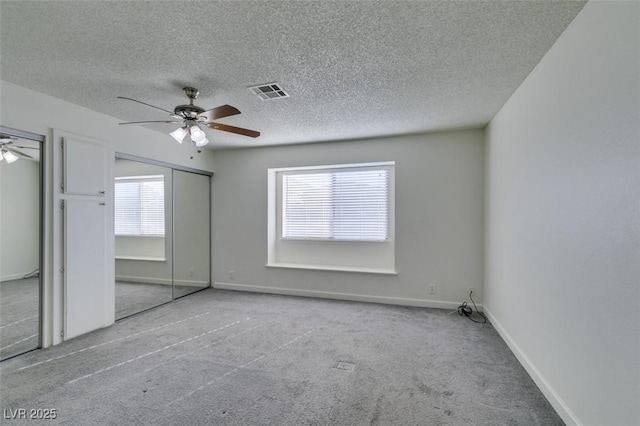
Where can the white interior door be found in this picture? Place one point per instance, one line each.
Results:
(85, 225)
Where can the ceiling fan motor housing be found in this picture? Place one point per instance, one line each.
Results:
(188, 111)
(191, 110)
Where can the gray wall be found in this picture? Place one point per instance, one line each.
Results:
(439, 219)
(563, 219)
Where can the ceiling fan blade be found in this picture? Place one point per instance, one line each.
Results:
(219, 112)
(144, 103)
(233, 129)
(155, 121)
(20, 153)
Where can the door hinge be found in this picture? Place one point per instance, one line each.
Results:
(62, 333)
(62, 204)
(62, 270)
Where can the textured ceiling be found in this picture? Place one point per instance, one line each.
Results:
(353, 69)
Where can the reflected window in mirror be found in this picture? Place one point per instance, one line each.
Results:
(139, 206)
(143, 236)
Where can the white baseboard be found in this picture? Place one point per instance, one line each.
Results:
(192, 283)
(12, 277)
(547, 390)
(340, 296)
(144, 280)
(163, 281)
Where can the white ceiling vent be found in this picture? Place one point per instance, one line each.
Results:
(269, 91)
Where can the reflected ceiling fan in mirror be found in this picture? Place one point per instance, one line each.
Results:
(9, 150)
(192, 117)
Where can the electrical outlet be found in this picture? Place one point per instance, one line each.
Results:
(190, 272)
(432, 288)
(472, 290)
(231, 275)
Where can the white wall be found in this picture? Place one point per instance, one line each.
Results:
(439, 219)
(27, 110)
(562, 281)
(19, 218)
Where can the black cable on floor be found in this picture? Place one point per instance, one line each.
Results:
(466, 310)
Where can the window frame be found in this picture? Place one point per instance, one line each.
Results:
(372, 257)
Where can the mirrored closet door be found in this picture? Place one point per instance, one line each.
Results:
(20, 241)
(191, 217)
(161, 221)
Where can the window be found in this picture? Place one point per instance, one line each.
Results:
(339, 204)
(335, 217)
(139, 205)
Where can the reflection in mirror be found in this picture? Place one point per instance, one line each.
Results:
(20, 198)
(191, 219)
(143, 236)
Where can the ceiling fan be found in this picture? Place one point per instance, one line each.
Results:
(192, 117)
(8, 149)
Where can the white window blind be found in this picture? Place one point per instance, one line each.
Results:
(336, 204)
(139, 205)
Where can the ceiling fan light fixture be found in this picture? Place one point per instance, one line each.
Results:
(202, 142)
(9, 156)
(197, 135)
(179, 134)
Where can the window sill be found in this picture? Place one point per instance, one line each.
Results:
(331, 240)
(333, 268)
(143, 258)
(138, 236)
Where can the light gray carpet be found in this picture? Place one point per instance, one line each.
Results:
(19, 313)
(229, 358)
